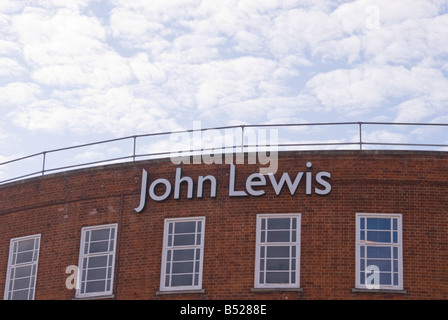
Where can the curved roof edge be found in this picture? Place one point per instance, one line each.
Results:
(283, 153)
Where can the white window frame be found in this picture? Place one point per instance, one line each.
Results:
(168, 254)
(13, 265)
(294, 244)
(110, 263)
(396, 253)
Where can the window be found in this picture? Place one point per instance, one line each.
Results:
(379, 251)
(22, 268)
(277, 251)
(182, 256)
(97, 260)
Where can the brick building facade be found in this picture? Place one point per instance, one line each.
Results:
(349, 225)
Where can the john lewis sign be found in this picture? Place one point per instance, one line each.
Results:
(255, 186)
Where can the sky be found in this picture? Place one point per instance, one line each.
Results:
(80, 71)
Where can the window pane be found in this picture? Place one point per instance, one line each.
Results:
(26, 245)
(378, 236)
(96, 274)
(185, 227)
(383, 265)
(378, 252)
(182, 255)
(20, 295)
(22, 283)
(182, 267)
(95, 286)
(182, 280)
(21, 272)
(167, 281)
(196, 279)
(278, 236)
(184, 240)
(278, 223)
(277, 264)
(277, 277)
(395, 279)
(198, 254)
(24, 257)
(385, 279)
(96, 247)
(276, 252)
(102, 234)
(378, 224)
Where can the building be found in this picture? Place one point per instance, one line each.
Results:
(328, 225)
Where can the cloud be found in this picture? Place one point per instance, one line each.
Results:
(365, 88)
(120, 67)
(18, 94)
(9, 6)
(66, 49)
(10, 68)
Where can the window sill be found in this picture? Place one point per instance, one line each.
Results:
(263, 290)
(359, 290)
(109, 296)
(180, 292)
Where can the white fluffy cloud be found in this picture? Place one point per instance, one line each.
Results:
(121, 67)
(369, 87)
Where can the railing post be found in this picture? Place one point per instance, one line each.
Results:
(242, 138)
(360, 135)
(133, 152)
(44, 155)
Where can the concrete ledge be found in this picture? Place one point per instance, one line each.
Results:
(180, 292)
(109, 296)
(356, 290)
(264, 290)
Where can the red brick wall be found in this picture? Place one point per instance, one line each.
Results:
(414, 184)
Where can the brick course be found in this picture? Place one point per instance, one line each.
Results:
(414, 184)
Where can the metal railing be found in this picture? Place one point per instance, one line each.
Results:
(292, 143)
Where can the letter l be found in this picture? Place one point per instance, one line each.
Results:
(143, 192)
